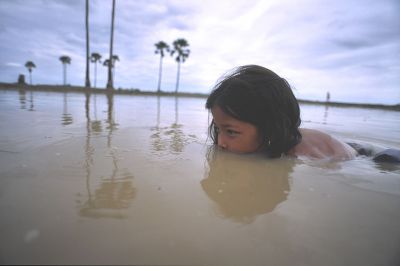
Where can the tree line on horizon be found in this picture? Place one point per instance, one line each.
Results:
(179, 50)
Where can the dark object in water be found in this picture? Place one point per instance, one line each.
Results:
(362, 149)
(388, 155)
(377, 154)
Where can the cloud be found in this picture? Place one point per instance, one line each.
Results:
(347, 47)
(12, 64)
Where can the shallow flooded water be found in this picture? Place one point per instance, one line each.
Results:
(131, 180)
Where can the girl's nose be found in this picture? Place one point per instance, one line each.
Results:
(221, 141)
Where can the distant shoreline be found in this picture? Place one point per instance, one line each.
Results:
(81, 89)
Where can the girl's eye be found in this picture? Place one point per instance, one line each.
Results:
(232, 133)
(216, 129)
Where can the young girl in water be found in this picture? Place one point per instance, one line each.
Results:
(254, 111)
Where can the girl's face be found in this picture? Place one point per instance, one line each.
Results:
(235, 135)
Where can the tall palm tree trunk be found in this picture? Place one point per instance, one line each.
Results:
(65, 74)
(159, 75)
(177, 77)
(110, 76)
(113, 74)
(87, 81)
(30, 76)
(95, 74)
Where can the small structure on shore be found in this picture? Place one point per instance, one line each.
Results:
(21, 79)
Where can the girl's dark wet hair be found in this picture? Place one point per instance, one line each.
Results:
(257, 95)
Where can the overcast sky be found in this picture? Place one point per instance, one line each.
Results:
(350, 48)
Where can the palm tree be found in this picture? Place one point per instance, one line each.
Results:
(95, 57)
(182, 52)
(160, 47)
(115, 58)
(110, 85)
(87, 77)
(65, 59)
(106, 63)
(30, 65)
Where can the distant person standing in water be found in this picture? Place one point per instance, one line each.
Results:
(328, 97)
(254, 111)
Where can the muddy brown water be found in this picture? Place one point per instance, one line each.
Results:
(132, 180)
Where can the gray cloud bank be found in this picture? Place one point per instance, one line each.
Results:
(349, 48)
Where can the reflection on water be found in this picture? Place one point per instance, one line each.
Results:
(96, 124)
(113, 195)
(325, 119)
(170, 138)
(31, 106)
(111, 124)
(92, 125)
(22, 98)
(115, 192)
(66, 118)
(387, 167)
(23, 101)
(87, 106)
(244, 186)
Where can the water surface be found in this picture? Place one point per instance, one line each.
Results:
(130, 180)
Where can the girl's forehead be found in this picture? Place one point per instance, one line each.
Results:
(219, 114)
(223, 119)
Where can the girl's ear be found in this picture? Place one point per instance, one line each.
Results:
(265, 143)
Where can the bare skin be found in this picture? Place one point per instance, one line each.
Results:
(242, 137)
(319, 145)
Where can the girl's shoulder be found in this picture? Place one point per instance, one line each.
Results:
(320, 145)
